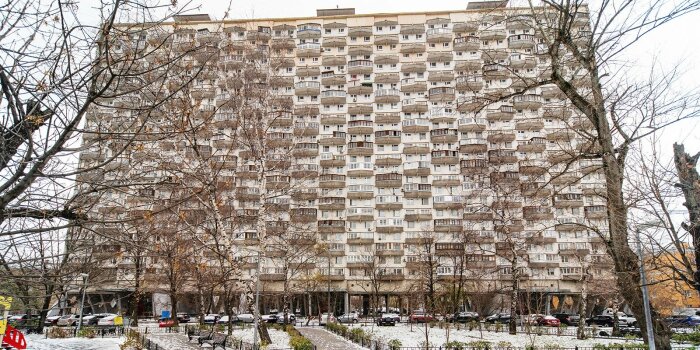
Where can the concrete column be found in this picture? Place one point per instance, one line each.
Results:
(347, 302)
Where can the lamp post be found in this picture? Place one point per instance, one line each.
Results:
(82, 301)
(645, 290)
(256, 313)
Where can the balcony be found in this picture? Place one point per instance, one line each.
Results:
(307, 88)
(445, 157)
(360, 127)
(552, 92)
(502, 113)
(492, 34)
(534, 189)
(359, 31)
(441, 115)
(334, 42)
(305, 150)
(417, 190)
(392, 39)
(329, 160)
(441, 94)
(413, 85)
(449, 249)
(331, 203)
(386, 78)
(473, 166)
(361, 50)
(331, 181)
(357, 87)
(307, 71)
(557, 112)
(411, 105)
(412, 48)
(444, 135)
(471, 103)
(361, 237)
(332, 119)
(465, 27)
(570, 224)
(303, 215)
(387, 137)
(595, 212)
(447, 202)
(388, 159)
(528, 101)
(537, 213)
(306, 129)
(469, 66)
(471, 124)
(232, 62)
(415, 125)
(416, 148)
(360, 192)
(561, 135)
(502, 157)
(360, 169)
(495, 70)
(388, 180)
(533, 167)
(413, 67)
(441, 76)
(282, 44)
(331, 78)
(360, 108)
(279, 139)
(387, 118)
(337, 138)
(534, 124)
(305, 171)
(360, 148)
(440, 56)
(535, 144)
(309, 31)
(309, 50)
(448, 225)
(469, 83)
(467, 43)
(505, 177)
(521, 41)
(498, 137)
(439, 35)
(568, 200)
(387, 96)
(333, 97)
(331, 226)
(419, 168)
(360, 67)
(521, 61)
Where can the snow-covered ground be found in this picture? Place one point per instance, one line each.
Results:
(280, 339)
(438, 337)
(38, 342)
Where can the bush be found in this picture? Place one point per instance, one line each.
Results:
(455, 345)
(357, 333)
(504, 344)
(132, 342)
(472, 325)
(551, 347)
(693, 338)
(55, 332)
(479, 344)
(300, 343)
(394, 344)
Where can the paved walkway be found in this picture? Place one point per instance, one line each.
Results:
(172, 341)
(325, 340)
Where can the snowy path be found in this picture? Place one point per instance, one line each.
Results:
(38, 342)
(325, 340)
(173, 341)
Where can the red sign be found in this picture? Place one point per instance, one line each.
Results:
(14, 338)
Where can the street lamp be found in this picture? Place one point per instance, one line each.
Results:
(82, 301)
(645, 290)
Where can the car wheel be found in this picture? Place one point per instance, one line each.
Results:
(354, 320)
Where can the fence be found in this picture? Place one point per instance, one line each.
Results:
(149, 344)
(86, 331)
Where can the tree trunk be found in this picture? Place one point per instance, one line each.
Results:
(689, 183)
(582, 305)
(512, 326)
(136, 296)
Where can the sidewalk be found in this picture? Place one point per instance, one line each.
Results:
(325, 340)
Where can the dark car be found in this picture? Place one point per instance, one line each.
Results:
(567, 319)
(680, 321)
(386, 320)
(464, 317)
(183, 318)
(601, 320)
(498, 318)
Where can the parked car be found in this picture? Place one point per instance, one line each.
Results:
(183, 317)
(420, 317)
(291, 318)
(111, 320)
(567, 319)
(623, 318)
(224, 319)
(68, 320)
(548, 321)
(386, 319)
(463, 317)
(166, 322)
(270, 318)
(532, 319)
(600, 320)
(246, 318)
(395, 316)
(680, 321)
(498, 318)
(51, 320)
(351, 317)
(211, 318)
(326, 318)
(18, 320)
(91, 320)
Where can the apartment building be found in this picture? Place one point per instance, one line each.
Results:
(409, 137)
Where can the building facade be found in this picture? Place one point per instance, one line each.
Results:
(399, 150)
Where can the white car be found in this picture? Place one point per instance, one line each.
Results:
(326, 318)
(211, 318)
(246, 318)
(111, 320)
(224, 319)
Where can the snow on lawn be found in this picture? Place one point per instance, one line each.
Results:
(280, 339)
(39, 342)
(437, 337)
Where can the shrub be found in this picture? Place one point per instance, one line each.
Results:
(300, 343)
(472, 325)
(693, 338)
(55, 332)
(87, 332)
(357, 333)
(394, 344)
(455, 345)
(551, 347)
(132, 342)
(504, 344)
(479, 344)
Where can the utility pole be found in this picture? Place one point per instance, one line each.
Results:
(645, 292)
(328, 250)
(85, 277)
(256, 312)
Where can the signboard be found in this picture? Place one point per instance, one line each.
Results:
(165, 314)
